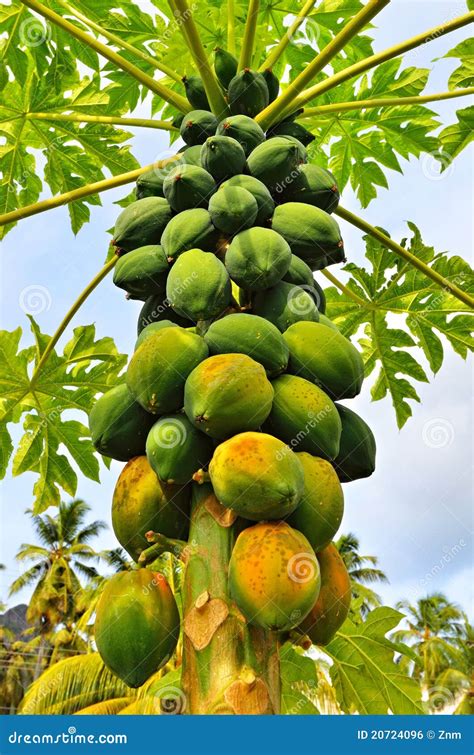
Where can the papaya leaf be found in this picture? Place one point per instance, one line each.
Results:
(54, 445)
(453, 139)
(464, 75)
(298, 680)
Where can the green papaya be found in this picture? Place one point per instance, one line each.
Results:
(159, 367)
(356, 457)
(244, 129)
(247, 93)
(197, 126)
(119, 425)
(196, 93)
(276, 162)
(225, 66)
(251, 335)
(313, 185)
(273, 84)
(177, 120)
(142, 503)
(142, 273)
(299, 273)
(188, 186)
(257, 476)
(223, 157)
(141, 223)
(227, 394)
(257, 258)
(273, 576)
(137, 625)
(319, 513)
(192, 155)
(156, 310)
(232, 209)
(198, 286)
(285, 304)
(150, 184)
(304, 417)
(153, 327)
(325, 357)
(190, 229)
(259, 191)
(176, 449)
(290, 128)
(311, 233)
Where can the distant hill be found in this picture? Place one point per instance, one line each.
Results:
(15, 619)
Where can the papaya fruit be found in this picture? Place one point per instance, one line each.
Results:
(156, 309)
(273, 576)
(136, 625)
(259, 191)
(257, 476)
(247, 93)
(195, 92)
(119, 425)
(198, 286)
(311, 233)
(227, 394)
(225, 66)
(141, 223)
(188, 186)
(223, 157)
(325, 357)
(150, 184)
(192, 155)
(290, 128)
(141, 502)
(244, 129)
(276, 161)
(196, 126)
(356, 457)
(232, 209)
(323, 320)
(299, 273)
(331, 609)
(190, 229)
(320, 510)
(273, 84)
(159, 367)
(142, 273)
(251, 335)
(152, 328)
(176, 450)
(257, 258)
(313, 185)
(304, 417)
(285, 304)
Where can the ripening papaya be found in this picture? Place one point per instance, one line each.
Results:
(188, 186)
(141, 223)
(251, 335)
(222, 157)
(190, 229)
(257, 476)
(332, 606)
(196, 93)
(141, 502)
(247, 93)
(257, 258)
(192, 155)
(285, 304)
(311, 233)
(196, 126)
(313, 185)
(227, 394)
(176, 450)
(142, 273)
(273, 576)
(304, 417)
(259, 191)
(198, 286)
(233, 209)
(356, 457)
(320, 510)
(150, 184)
(157, 309)
(137, 625)
(325, 357)
(275, 162)
(152, 328)
(119, 425)
(244, 129)
(225, 66)
(273, 84)
(159, 367)
(290, 128)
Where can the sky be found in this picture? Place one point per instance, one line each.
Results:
(415, 512)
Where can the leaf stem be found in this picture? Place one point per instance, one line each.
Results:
(162, 91)
(277, 51)
(405, 254)
(248, 40)
(114, 120)
(231, 26)
(288, 98)
(347, 291)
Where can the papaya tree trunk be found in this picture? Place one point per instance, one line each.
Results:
(228, 666)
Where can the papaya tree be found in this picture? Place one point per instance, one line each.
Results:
(228, 414)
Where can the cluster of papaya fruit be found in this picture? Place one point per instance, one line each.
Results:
(235, 379)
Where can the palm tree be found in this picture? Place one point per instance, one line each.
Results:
(362, 571)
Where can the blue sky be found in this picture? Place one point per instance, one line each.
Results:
(414, 513)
